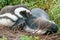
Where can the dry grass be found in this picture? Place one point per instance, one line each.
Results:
(15, 35)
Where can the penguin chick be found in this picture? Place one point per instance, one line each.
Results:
(9, 15)
(40, 26)
(39, 22)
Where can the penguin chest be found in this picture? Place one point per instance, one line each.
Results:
(7, 19)
(6, 22)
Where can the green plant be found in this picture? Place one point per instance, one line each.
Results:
(24, 37)
(3, 38)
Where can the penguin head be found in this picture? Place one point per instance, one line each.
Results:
(22, 11)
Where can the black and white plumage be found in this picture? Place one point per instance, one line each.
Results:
(40, 23)
(9, 15)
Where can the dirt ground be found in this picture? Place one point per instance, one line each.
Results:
(14, 35)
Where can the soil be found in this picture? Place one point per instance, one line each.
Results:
(15, 34)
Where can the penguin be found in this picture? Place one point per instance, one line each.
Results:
(39, 22)
(9, 15)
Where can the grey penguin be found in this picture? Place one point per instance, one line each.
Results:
(39, 22)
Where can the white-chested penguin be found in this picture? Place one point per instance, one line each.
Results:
(10, 15)
(40, 23)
